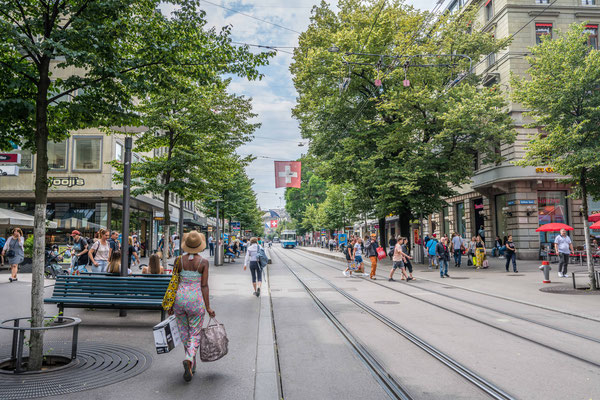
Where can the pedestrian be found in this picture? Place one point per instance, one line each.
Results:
(511, 254)
(481, 233)
(14, 251)
(133, 255)
(252, 261)
(80, 253)
(211, 246)
(398, 260)
(443, 255)
(497, 250)
(114, 264)
(479, 251)
(349, 253)
(371, 252)
(392, 243)
(192, 300)
(431, 245)
(113, 242)
(407, 264)
(471, 253)
(176, 243)
(2, 243)
(229, 252)
(457, 249)
(100, 252)
(154, 266)
(563, 246)
(330, 243)
(358, 251)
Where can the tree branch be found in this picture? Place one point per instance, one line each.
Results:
(31, 78)
(76, 14)
(25, 20)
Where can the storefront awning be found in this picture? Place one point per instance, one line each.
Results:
(17, 219)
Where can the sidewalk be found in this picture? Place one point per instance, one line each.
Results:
(524, 286)
(246, 372)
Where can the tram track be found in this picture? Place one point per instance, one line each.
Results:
(472, 303)
(437, 305)
(384, 378)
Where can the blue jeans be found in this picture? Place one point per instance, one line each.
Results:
(513, 257)
(443, 266)
(102, 266)
(457, 257)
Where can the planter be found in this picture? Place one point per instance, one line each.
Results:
(57, 354)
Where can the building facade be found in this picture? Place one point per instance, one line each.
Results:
(508, 199)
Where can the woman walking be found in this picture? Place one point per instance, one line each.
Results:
(479, 252)
(100, 251)
(15, 252)
(407, 264)
(398, 259)
(252, 257)
(192, 298)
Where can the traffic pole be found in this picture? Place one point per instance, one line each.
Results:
(126, 211)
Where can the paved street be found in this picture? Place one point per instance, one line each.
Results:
(478, 319)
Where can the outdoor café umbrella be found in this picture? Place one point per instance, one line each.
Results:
(595, 225)
(594, 217)
(554, 227)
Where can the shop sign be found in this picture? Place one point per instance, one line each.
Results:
(511, 203)
(526, 201)
(68, 181)
(159, 216)
(6, 158)
(478, 206)
(9, 170)
(541, 170)
(210, 228)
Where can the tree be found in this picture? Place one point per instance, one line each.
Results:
(336, 208)
(312, 191)
(564, 100)
(118, 48)
(403, 148)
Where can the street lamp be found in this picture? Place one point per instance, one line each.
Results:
(334, 49)
(218, 250)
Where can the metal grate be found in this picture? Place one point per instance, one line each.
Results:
(569, 290)
(97, 365)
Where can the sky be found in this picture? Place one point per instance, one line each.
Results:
(274, 96)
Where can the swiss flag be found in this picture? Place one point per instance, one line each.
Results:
(288, 174)
(273, 223)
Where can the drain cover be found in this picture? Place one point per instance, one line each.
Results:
(516, 275)
(459, 277)
(97, 365)
(386, 302)
(568, 290)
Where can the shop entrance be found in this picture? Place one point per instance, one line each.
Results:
(478, 219)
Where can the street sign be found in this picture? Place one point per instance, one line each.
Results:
(9, 170)
(210, 229)
(10, 158)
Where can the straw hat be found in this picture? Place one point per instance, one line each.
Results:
(193, 242)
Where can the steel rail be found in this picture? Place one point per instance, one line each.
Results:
(489, 388)
(387, 382)
(549, 347)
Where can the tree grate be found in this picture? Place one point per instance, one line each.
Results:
(97, 365)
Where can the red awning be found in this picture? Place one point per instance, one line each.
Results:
(550, 25)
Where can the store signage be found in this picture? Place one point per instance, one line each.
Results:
(68, 181)
(10, 158)
(510, 203)
(478, 206)
(526, 201)
(9, 170)
(546, 200)
(541, 170)
(159, 216)
(210, 229)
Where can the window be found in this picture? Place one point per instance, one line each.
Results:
(446, 220)
(57, 155)
(592, 31)
(588, 2)
(552, 207)
(87, 153)
(489, 10)
(26, 159)
(542, 1)
(460, 219)
(542, 30)
(491, 59)
(119, 152)
(501, 217)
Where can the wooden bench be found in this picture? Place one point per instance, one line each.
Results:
(110, 292)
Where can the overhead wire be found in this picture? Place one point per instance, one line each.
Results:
(263, 46)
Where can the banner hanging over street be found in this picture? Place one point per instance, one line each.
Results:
(288, 174)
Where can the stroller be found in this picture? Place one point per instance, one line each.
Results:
(52, 267)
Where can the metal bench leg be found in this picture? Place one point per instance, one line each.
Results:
(61, 312)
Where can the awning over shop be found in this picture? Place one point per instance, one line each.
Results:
(13, 218)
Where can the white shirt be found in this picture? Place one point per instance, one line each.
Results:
(357, 250)
(456, 242)
(176, 244)
(252, 253)
(563, 244)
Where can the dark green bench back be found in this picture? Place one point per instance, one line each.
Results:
(110, 287)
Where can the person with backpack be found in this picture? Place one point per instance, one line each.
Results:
(431, 246)
(252, 259)
(100, 252)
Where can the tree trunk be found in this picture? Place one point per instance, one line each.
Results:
(382, 233)
(586, 231)
(166, 226)
(36, 339)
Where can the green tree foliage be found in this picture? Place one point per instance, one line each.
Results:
(314, 218)
(312, 191)
(112, 51)
(562, 94)
(336, 207)
(403, 147)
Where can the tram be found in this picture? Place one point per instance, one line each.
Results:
(288, 239)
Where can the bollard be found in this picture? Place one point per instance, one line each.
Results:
(545, 267)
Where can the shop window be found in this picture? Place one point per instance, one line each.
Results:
(592, 31)
(446, 220)
(489, 10)
(88, 153)
(542, 30)
(588, 2)
(552, 207)
(460, 219)
(501, 217)
(26, 159)
(57, 155)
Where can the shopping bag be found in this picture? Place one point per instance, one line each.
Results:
(353, 266)
(381, 253)
(213, 341)
(485, 264)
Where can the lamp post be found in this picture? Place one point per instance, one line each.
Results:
(218, 249)
(126, 211)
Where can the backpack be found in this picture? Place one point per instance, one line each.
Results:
(262, 257)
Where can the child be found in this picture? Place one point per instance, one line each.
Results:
(114, 264)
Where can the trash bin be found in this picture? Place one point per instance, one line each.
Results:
(545, 267)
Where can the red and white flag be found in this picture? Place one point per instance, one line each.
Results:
(273, 223)
(288, 174)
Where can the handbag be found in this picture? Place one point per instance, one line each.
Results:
(213, 341)
(485, 264)
(381, 253)
(171, 292)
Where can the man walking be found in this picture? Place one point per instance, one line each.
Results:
(80, 253)
(392, 242)
(457, 249)
(113, 243)
(431, 250)
(563, 247)
(443, 256)
(211, 246)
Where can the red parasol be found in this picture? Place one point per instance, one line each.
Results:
(554, 227)
(594, 217)
(595, 225)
